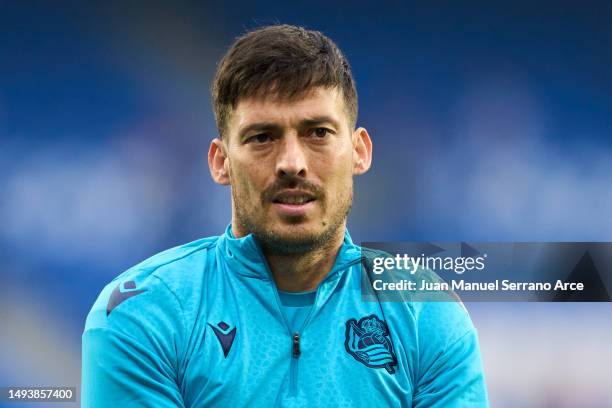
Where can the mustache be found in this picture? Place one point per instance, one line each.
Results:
(292, 182)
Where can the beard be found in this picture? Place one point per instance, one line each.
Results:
(298, 240)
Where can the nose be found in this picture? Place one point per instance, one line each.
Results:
(291, 159)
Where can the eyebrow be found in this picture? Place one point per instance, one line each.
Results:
(271, 126)
(319, 120)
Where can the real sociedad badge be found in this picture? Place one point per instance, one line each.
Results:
(369, 343)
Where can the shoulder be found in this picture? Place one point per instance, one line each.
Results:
(157, 287)
(440, 316)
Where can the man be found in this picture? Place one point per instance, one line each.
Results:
(270, 313)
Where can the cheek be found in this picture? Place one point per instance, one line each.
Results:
(245, 179)
(339, 180)
(336, 160)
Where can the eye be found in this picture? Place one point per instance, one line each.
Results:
(260, 138)
(320, 133)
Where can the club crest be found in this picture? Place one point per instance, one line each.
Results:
(368, 341)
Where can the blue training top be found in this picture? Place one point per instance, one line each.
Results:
(203, 325)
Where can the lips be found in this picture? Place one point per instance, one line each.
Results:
(293, 203)
(292, 197)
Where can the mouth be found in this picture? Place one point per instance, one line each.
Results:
(293, 203)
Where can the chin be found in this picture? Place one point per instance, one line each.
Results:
(300, 229)
(292, 239)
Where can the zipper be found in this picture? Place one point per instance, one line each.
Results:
(296, 350)
(296, 337)
(295, 355)
(296, 345)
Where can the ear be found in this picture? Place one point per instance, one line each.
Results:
(362, 151)
(218, 163)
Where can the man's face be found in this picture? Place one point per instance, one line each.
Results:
(290, 165)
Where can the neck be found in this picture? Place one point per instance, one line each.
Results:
(304, 272)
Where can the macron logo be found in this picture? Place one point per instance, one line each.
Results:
(120, 295)
(224, 335)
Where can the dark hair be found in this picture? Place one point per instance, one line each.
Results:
(285, 61)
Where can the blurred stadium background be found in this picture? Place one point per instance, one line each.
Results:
(490, 123)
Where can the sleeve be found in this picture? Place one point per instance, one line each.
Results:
(450, 367)
(131, 346)
(120, 371)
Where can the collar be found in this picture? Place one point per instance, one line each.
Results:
(245, 257)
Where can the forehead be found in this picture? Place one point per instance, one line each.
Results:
(313, 103)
